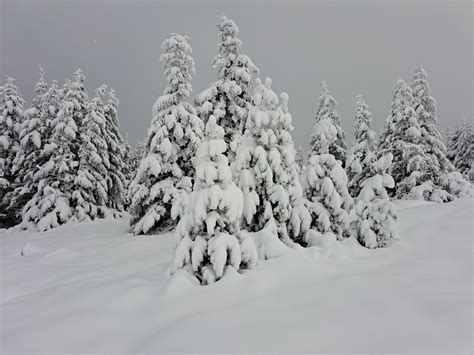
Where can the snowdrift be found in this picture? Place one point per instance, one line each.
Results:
(92, 287)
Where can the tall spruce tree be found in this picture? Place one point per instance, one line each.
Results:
(431, 138)
(53, 203)
(169, 146)
(363, 152)
(91, 192)
(116, 174)
(230, 97)
(34, 133)
(461, 149)
(327, 109)
(266, 171)
(11, 119)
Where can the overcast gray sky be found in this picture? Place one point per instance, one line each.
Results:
(356, 46)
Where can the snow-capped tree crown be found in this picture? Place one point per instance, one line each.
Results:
(363, 127)
(328, 137)
(229, 62)
(179, 66)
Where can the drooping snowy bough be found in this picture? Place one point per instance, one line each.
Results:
(208, 235)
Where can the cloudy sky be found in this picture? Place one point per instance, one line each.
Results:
(356, 46)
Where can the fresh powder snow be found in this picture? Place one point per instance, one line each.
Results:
(93, 287)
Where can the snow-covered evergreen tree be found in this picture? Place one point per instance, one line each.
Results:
(461, 149)
(413, 168)
(327, 109)
(209, 242)
(53, 205)
(11, 119)
(174, 134)
(325, 183)
(34, 133)
(363, 152)
(431, 138)
(375, 217)
(134, 156)
(229, 98)
(300, 159)
(90, 195)
(116, 173)
(266, 171)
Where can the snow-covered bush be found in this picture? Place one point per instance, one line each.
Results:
(208, 235)
(325, 184)
(174, 134)
(229, 98)
(374, 222)
(327, 109)
(265, 168)
(362, 153)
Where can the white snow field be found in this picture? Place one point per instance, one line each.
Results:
(92, 287)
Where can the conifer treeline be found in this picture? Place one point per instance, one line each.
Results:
(63, 158)
(224, 170)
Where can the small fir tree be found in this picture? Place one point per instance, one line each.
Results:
(363, 152)
(327, 109)
(375, 217)
(209, 242)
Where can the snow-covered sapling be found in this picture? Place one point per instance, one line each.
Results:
(375, 216)
(208, 235)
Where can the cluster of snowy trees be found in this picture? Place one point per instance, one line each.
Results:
(226, 174)
(61, 159)
(461, 148)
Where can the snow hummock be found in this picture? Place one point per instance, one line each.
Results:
(93, 287)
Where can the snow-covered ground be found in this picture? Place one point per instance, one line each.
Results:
(93, 287)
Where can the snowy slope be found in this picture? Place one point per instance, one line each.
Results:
(92, 287)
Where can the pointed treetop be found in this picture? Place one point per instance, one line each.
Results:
(420, 71)
(324, 87)
(79, 75)
(228, 32)
(178, 66)
(41, 72)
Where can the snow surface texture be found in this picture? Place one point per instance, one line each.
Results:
(91, 287)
